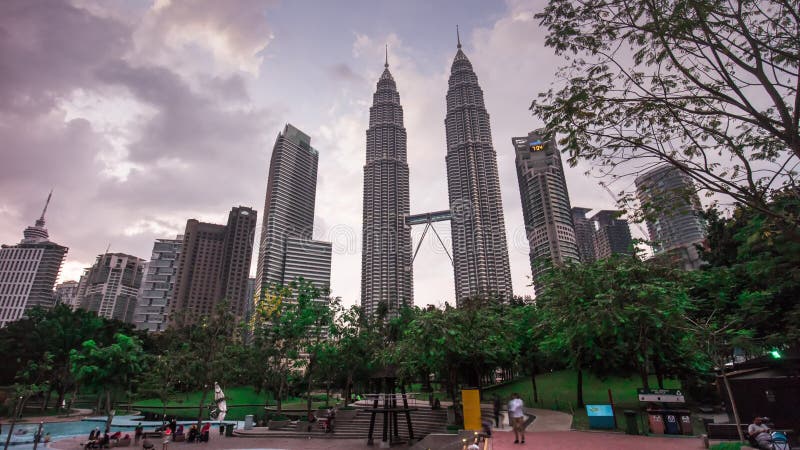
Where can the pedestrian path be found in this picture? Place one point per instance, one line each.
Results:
(579, 440)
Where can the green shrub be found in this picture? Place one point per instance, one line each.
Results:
(729, 446)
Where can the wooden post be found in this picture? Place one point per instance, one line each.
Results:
(613, 410)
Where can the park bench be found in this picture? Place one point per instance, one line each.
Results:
(725, 431)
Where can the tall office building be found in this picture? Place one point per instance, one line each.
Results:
(28, 271)
(213, 266)
(287, 250)
(673, 222)
(288, 206)
(111, 286)
(480, 251)
(386, 272)
(66, 293)
(158, 285)
(612, 235)
(584, 233)
(545, 204)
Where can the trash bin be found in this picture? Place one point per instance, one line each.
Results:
(631, 425)
(248, 422)
(685, 419)
(671, 423)
(229, 429)
(656, 421)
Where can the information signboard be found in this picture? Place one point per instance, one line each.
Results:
(661, 395)
(600, 416)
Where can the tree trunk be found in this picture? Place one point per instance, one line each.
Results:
(659, 372)
(61, 394)
(533, 383)
(200, 407)
(580, 389)
(108, 410)
(46, 400)
(279, 398)
(643, 375)
(733, 403)
(348, 386)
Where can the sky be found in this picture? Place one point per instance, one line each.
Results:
(143, 114)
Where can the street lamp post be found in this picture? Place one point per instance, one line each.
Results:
(15, 413)
(38, 435)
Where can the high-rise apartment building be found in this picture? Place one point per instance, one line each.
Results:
(612, 234)
(480, 251)
(584, 233)
(673, 213)
(601, 235)
(28, 271)
(111, 286)
(287, 250)
(545, 204)
(214, 265)
(66, 293)
(386, 271)
(158, 285)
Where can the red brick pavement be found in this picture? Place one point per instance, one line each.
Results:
(577, 440)
(553, 440)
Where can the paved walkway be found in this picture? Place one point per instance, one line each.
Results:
(75, 414)
(218, 442)
(579, 440)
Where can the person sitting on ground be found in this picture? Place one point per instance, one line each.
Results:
(759, 434)
(192, 436)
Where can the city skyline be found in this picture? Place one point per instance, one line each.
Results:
(143, 161)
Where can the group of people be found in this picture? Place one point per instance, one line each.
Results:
(762, 436)
(516, 416)
(97, 440)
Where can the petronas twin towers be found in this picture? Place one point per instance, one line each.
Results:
(480, 251)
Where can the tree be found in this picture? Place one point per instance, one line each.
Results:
(288, 321)
(111, 368)
(200, 352)
(757, 264)
(530, 330)
(709, 87)
(615, 315)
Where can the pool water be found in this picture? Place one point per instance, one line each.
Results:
(22, 439)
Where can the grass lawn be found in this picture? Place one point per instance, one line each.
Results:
(241, 401)
(557, 390)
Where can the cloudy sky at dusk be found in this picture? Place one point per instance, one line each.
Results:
(142, 114)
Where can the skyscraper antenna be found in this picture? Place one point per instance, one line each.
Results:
(458, 36)
(46, 204)
(387, 57)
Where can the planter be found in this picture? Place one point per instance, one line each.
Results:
(278, 424)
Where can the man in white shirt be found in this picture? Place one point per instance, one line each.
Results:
(759, 432)
(517, 416)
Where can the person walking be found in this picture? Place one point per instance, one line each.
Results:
(137, 433)
(517, 415)
(496, 406)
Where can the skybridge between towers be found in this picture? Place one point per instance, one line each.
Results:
(428, 219)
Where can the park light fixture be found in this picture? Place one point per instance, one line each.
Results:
(775, 353)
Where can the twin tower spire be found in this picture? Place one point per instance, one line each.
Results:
(480, 251)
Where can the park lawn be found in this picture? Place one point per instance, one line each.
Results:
(558, 391)
(241, 401)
